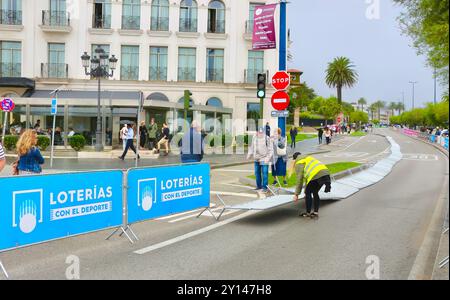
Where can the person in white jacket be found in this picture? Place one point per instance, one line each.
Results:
(261, 149)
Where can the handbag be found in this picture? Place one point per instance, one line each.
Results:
(281, 149)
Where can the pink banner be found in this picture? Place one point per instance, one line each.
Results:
(410, 132)
(264, 36)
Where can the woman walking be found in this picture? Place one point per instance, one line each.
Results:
(30, 158)
(328, 135)
(143, 133)
(280, 157)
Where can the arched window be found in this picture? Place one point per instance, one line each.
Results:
(158, 97)
(188, 16)
(160, 15)
(216, 17)
(182, 101)
(215, 102)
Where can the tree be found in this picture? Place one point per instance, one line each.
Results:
(359, 117)
(372, 109)
(301, 96)
(392, 107)
(347, 109)
(362, 102)
(379, 105)
(427, 23)
(330, 108)
(400, 107)
(340, 74)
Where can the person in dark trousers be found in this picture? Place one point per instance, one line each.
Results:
(192, 145)
(320, 134)
(165, 140)
(129, 144)
(152, 133)
(143, 133)
(268, 129)
(293, 132)
(314, 174)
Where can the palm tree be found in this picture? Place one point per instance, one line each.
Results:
(379, 105)
(400, 107)
(362, 102)
(392, 106)
(340, 74)
(372, 109)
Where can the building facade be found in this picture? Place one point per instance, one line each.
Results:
(163, 48)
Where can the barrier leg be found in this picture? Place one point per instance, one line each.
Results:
(221, 213)
(131, 230)
(3, 269)
(124, 232)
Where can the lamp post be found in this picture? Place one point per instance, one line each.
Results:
(413, 93)
(97, 67)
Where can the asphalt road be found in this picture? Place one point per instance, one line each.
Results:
(387, 220)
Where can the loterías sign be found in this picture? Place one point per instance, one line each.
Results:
(264, 36)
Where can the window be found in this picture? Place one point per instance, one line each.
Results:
(215, 102)
(58, 15)
(188, 16)
(129, 69)
(160, 15)
(214, 65)
(56, 67)
(131, 14)
(253, 116)
(216, 17)
(10, 59)
(11, 12)
(255, 65)
(187, 59)
(102, 14)
(249, 26)
(158, 63)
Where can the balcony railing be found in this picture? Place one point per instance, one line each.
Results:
(251, 75)
(249, 27)
(158, 74)
(131, 22)
(159, 24)
(188, 25)
(52, 70)
(129, 73)
(216, 26)
(10, 17)
(55, 18)
(10, 69)
(102, 22)
(214, 75)
(186, 74)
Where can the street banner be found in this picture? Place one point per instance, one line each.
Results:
(36, 209)
(264, 36)
(162, 191)
(410, 132)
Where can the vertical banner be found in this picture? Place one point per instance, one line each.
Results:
(264, 36)
(35, 209)
(162, 191)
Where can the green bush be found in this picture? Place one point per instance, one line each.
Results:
(227, 140)
(43, 142)
(11, 141)
(77, 142)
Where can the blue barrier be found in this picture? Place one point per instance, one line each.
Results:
(446, 143)
(36, 209)
(162, 191)
(433, 138)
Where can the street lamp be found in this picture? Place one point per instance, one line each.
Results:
(97, 67)
(413, 92)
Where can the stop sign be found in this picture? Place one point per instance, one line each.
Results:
(280, 100)
(281, 80)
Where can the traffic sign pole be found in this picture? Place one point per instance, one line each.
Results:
(54, 111)
(4, 128)
(282, 55)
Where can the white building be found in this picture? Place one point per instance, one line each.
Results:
(163, 48)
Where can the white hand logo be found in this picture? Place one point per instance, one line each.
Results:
(147, 199)
(27, 222)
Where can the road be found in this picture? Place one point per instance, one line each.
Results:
(388, 220)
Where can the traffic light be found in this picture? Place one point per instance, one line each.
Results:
(187, 100)
(261, 87)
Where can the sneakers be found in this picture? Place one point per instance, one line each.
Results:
(284, 182)
(121, 158)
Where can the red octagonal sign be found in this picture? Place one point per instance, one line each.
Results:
(281, 80)
(280, 100)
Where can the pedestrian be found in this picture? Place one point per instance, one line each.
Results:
(143, 133)
(71, 132)
(29, 157)
(261, 149)
(320, 135)
(293, 133)
(165, 139)
(314, 175)
(280, 157)
(192, 145)
(268, 129)
(123, 136)
(152, 134)
(2, 158)
(129, 142)
(328, 135)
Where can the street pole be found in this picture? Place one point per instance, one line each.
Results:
(413, 93)
(282, 56)
(98, 135)
(435, 85)
(53, 132)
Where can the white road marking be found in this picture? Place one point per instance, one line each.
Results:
(184, 213)
(234, 194)
(193, 233)
(420, 157)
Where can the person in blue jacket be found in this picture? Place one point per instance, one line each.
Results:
(192, 145)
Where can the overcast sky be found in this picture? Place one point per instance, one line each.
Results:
(385, 61)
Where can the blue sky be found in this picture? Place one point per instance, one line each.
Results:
(324, 29)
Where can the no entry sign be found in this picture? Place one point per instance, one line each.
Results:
(280, 100)
(281, 80)
(7, 105)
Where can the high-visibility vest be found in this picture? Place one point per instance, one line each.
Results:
(312, 168)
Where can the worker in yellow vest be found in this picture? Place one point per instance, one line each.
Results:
(314, 174)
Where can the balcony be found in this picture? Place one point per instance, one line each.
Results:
(129, 73)
(159, 24)
(55, 21)
(251, 75)
(101, 22)
(10, 69)
(214, 75)
(188, 25)
(187, 74)
(158, 74)
(216, 26)
(54, 71)
(10, 17)
(131, 22)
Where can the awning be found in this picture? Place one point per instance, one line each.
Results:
(23, 87)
